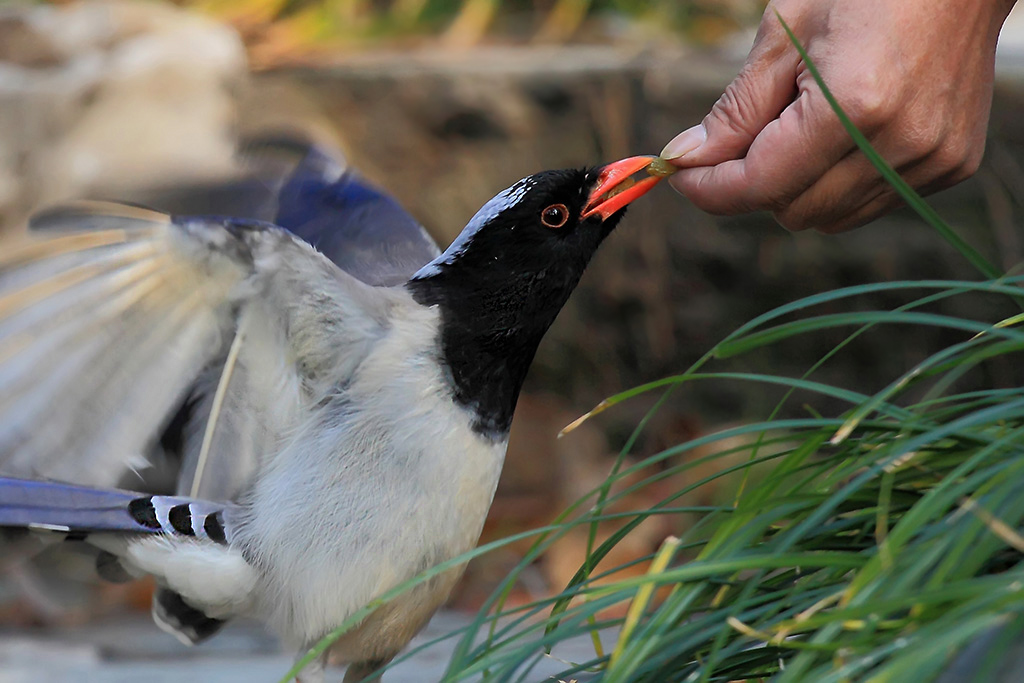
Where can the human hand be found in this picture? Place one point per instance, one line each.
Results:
(915, 76)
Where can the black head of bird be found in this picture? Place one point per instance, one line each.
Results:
(503, 281)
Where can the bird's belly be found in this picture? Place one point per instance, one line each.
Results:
(384, 507)
(391, 626)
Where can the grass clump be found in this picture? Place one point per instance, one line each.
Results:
(872, 545)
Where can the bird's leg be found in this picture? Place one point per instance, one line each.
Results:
(359, 671)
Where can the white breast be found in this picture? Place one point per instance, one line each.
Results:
(393, 480)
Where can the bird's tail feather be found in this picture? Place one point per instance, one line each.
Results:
(80, 510)
(46, 505)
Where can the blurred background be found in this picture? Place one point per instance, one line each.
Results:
(443, 103)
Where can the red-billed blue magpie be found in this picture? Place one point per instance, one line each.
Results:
(340, 392)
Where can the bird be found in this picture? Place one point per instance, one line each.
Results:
(338, 390)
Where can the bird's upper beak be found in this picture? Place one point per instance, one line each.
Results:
(616, 186)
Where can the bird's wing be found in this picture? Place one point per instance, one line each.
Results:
(356, 225)
(264, 165)
(104, 333)
(309, 190)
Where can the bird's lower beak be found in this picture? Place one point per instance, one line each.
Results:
(616, 186)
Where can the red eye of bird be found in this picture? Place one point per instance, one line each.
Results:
(555, 216)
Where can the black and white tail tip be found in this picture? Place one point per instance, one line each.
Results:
(169, 515)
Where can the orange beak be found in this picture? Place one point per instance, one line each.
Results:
(616, 186)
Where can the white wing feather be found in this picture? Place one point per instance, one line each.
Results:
(104, 333)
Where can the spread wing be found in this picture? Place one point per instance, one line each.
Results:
(310, 191)
(105, 333)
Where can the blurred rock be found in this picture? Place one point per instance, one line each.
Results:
(102, 98)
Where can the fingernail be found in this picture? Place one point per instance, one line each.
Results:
(684, 143)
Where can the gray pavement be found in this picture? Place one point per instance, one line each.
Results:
(132, 649)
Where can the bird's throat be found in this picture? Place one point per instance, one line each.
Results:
(487, 340)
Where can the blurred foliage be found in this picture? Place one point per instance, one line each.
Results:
(281, 30)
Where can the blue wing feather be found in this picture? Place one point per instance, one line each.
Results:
(359, 227)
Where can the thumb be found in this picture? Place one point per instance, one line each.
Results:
(763, 89)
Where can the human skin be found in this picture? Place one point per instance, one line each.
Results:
(915, 76)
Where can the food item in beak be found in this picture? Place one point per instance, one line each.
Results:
(616, 186)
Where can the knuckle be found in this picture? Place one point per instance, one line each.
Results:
(927, 138)
(793, 219)
(959, 159)
(868, 101)
(766, 193)
(770, 28)
(736, 109)
(775, 202)
(971, 164)
(868, 111)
